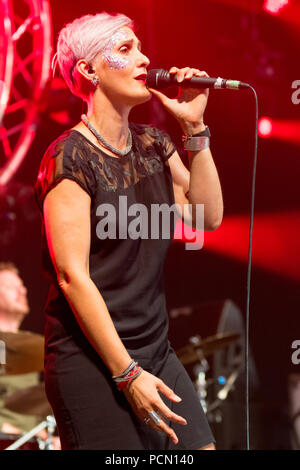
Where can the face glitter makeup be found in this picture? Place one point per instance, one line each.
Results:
(114, 60)
(116, 37)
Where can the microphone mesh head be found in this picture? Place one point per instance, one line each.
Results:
(151, 79)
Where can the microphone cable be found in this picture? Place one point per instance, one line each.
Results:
(247, 320)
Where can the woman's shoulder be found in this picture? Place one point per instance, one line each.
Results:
(67, 147)
(63, 159)
(67, 138)
(64, 153)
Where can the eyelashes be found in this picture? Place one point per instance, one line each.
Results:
(127, 47)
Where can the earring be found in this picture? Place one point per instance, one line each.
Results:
(95, 81)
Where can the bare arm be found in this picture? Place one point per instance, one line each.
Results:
(202, 185)
(67, 227)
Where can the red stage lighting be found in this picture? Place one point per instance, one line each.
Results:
(288, 11)
(286, 130)
(275, 241)
(265, 127)
(275, 6)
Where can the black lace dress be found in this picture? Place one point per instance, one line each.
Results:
(128, 271)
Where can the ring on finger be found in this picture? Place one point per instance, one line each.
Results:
(154, 416)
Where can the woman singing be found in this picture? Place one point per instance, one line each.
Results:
(112, 378)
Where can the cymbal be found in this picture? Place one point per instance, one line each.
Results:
(30, 401)
(207, 346)
(24, 352)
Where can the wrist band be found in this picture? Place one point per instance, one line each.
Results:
(129, 374)
(197, 142)
(131, 366)
(132, 375)
(205, 133)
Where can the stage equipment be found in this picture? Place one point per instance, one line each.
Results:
(24, 352)
(7, 440)
(49, 424)
(205, 346)
(209, 339)
(30, 401)
(25, 55)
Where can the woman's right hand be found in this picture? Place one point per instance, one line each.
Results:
(143, 395)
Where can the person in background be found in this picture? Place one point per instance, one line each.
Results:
(14, 307)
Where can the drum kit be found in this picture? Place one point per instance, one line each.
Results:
(196, 354)
(24, 354)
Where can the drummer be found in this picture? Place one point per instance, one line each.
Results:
(13, 308)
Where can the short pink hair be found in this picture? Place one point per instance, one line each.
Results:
(84, 38)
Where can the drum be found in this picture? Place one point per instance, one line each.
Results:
(8, 439)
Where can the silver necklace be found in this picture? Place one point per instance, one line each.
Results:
(106, 144)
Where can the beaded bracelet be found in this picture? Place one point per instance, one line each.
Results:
(125, 372)
(130, 373)
(133, 374)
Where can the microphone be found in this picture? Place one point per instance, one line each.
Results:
(160, 78)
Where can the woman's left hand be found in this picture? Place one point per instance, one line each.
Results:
(189, 106)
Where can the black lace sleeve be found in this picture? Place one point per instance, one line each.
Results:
(167, 146)
(156, 138)
(63, 159)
